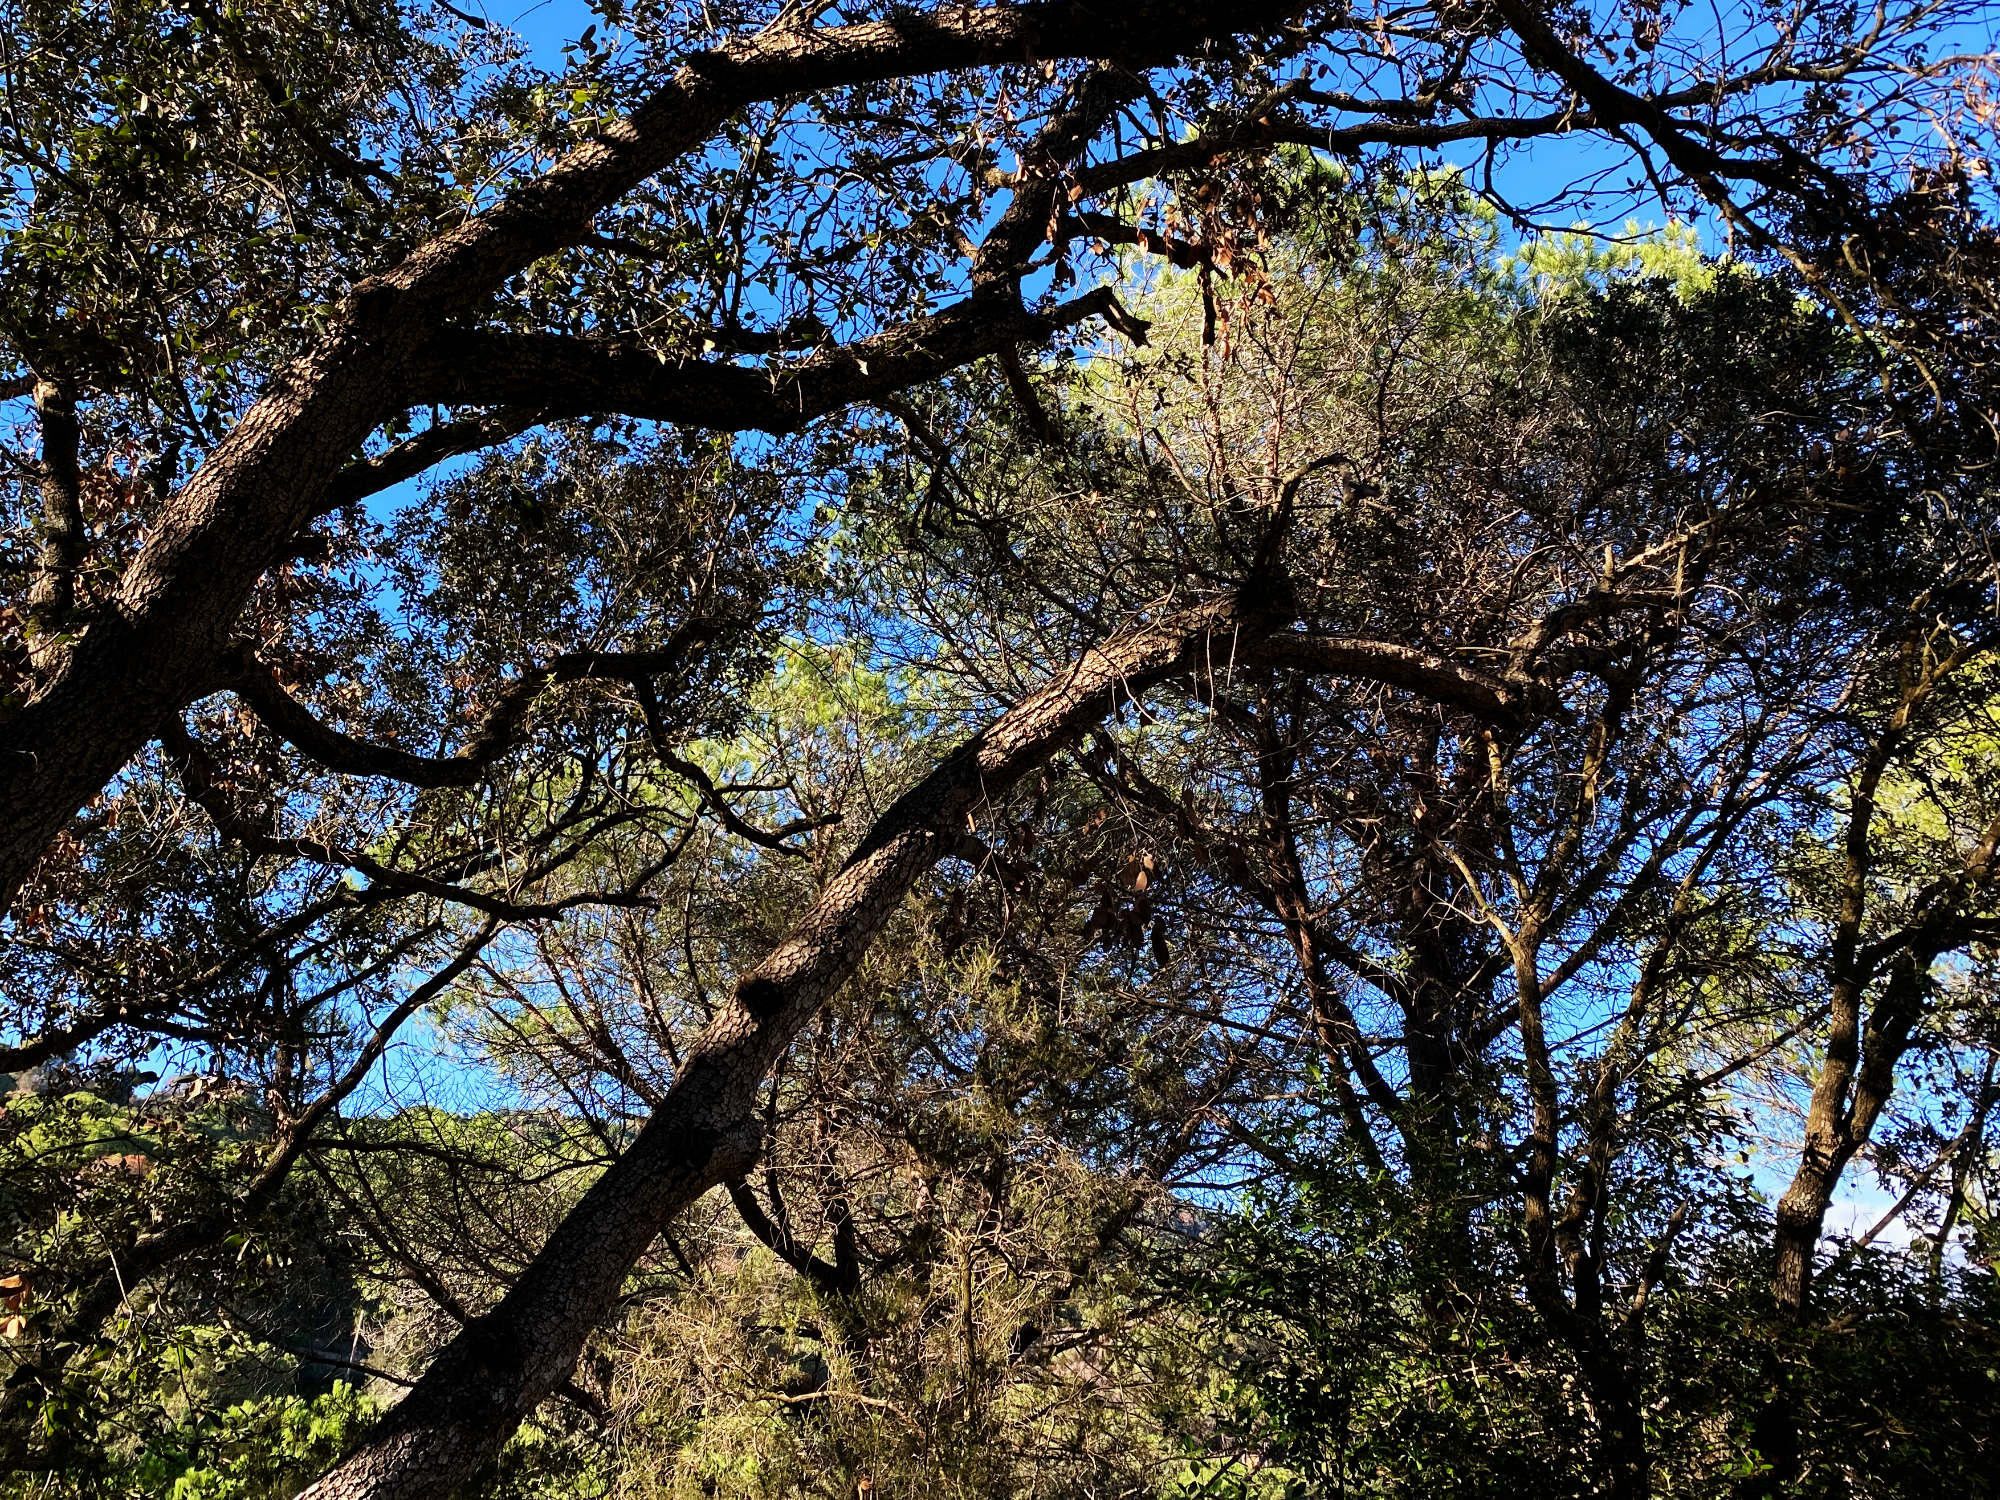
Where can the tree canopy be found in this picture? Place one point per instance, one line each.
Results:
(998, 749)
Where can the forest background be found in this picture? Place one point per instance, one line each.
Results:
(1238, 751)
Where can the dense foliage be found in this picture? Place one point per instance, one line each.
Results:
(998, 751)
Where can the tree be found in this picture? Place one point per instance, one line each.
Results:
(172, 173)
(1539, 885)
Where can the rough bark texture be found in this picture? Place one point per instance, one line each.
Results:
(1408, 667)
(1849, 1090)
(155, 648)
(563, 376)
(53, 596)
(705, 1132)
(1853, 1086)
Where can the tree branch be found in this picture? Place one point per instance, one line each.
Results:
(432, 446)
(566, 376)
(1407, 667)
(501, 1367)
(149, 653)
(780, 1242)
(52, 599)
(498, 731)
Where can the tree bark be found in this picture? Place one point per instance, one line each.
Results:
(52, 599)
(155, 647)
(1837, 1126)
(705, 1132)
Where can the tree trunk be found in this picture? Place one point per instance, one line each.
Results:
(1837, 1125)
(1795, 1237)
(1621, 1432)
(501, 1366)
(155, 647)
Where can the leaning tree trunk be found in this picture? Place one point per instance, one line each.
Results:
(503, 1364)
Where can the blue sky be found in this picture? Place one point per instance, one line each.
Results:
(545, 26)
(1531, 178)
(1536, 179)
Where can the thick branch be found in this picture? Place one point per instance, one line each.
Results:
(432, 446)
(1614, 106)
(706, 1133)
(498, 731)
(36, 1050)
(52, 600)
(781, 1243)
(1407, 667)
(151, 651)
(564, 376)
